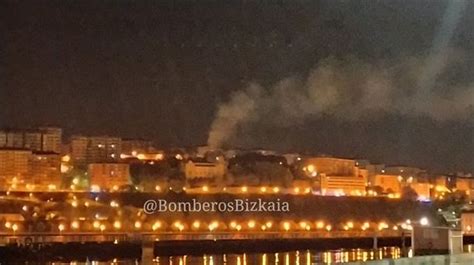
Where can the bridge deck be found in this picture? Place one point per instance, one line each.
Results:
(66, 237)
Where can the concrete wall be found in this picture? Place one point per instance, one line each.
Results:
(458, 259)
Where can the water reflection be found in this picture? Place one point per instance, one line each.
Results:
(302, 257)
(305, 257)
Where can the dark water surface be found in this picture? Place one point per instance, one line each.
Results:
(302, 257)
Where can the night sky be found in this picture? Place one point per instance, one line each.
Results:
(161, 69)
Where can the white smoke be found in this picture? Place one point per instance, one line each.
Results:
(348, 89)
(230, 115)
(439, 56)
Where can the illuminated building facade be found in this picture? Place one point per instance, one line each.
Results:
(343, 185)
(78, 149)
(204, 169)
(109, 176)
(46, 170)
(12, 139)
(465, 185)
(389, 183)
(442, 181)
(3, 139)
(46, 139)
(33, 140)
(331, 166)
(14, 167)
(422, 189)
(337, 176)
(51, 139)
(467, 222)
(96, 149)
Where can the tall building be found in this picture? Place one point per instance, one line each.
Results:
(96, 149)
(45, 170)
(46, 139)
(102, 149)
(136, 146)
(33, 140)
(14, 139)
(109, 176)
(14, 167)
(52, 139)
(78, 148)
(3, 139)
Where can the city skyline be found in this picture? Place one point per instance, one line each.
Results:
(163, 71)
(236, 132)
(31, 140)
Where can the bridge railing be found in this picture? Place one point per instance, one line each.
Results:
(168, 236)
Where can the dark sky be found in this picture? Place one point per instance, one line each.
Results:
(159, 69)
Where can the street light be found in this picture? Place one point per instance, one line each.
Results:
(424, 221)
(269, 224)
(251, 224)
(350, 224)
(213, 225)
(320, 224)
(117, 225)
(382, 225)
(138, 224)
(61, 228)
(302, 225)
(75, 225)
(156, 225)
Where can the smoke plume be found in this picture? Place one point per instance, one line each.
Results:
(348, 89)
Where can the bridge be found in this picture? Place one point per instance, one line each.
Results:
(147, 239)
(131, 236)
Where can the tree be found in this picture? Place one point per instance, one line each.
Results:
(457, 196)
(149, 175)
(73, 176)
(408, 193)
(273, 174)
(378, 189)
(177, 180)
